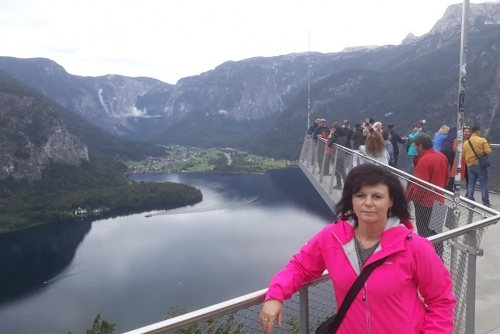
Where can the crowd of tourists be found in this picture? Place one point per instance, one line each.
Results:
(384, 145)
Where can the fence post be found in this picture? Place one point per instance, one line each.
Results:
(470, 314)
(304, 310)
(315, 158)
(334, 170)
(306, 153)
(322, 167)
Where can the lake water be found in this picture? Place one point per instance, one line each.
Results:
(133, 270)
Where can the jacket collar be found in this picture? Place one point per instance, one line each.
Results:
(392, 240)
(429, 151)
(394, 234)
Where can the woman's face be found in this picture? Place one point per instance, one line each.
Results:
(467, 133)
(371, 204)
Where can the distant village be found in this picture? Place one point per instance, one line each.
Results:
(174, 160)
(179, 159)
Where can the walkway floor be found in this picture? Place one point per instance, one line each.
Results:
(488, 278)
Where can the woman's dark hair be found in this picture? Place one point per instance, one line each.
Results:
(369, 174)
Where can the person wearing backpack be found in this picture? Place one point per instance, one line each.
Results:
(473, 148)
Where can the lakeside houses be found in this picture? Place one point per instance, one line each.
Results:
(80, 212)
(178, 158)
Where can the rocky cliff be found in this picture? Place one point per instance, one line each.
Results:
(31, 136)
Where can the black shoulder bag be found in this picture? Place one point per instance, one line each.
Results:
(330, 325)
(484, 161)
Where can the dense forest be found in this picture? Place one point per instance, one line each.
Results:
(99, 184)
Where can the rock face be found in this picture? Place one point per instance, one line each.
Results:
(31, 136)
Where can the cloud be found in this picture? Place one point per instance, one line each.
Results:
(138, 113)
(169, 40)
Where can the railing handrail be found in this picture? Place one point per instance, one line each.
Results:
(213, 311)
(429, 185)
(407, 176)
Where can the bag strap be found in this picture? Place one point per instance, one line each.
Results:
(353, 292)
(472, 147)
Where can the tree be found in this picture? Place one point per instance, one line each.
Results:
(101, 326)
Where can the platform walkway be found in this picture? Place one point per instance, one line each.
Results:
(488, 278)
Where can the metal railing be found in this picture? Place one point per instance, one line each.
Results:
(494, 169)
(456, 240)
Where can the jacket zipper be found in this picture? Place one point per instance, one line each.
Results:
(367, 310)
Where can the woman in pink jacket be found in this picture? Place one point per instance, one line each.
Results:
(373, 223)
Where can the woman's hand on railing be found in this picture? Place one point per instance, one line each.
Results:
(272, 310)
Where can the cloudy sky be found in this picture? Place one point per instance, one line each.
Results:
(171, 39)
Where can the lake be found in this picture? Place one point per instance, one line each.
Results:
(133, 270)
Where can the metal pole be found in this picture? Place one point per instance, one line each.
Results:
(304, 310)
(470, 313)
(309, 86)
(461, 108)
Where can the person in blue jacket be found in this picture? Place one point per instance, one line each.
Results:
(440, 137)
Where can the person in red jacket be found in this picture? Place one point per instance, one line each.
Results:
(432, 167)
(410, 293)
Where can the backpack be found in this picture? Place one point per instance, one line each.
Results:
(408, 145)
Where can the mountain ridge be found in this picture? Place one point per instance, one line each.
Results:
(238, 103)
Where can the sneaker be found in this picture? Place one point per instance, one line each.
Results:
(488, 205)
(337, 187)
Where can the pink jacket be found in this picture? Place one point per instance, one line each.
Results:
(389, 301)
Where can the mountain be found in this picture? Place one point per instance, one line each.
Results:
(261, 103)
(114, 103)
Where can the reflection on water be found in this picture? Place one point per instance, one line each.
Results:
(133, 270)
(29, 259)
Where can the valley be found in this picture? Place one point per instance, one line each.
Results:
(180, 159)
